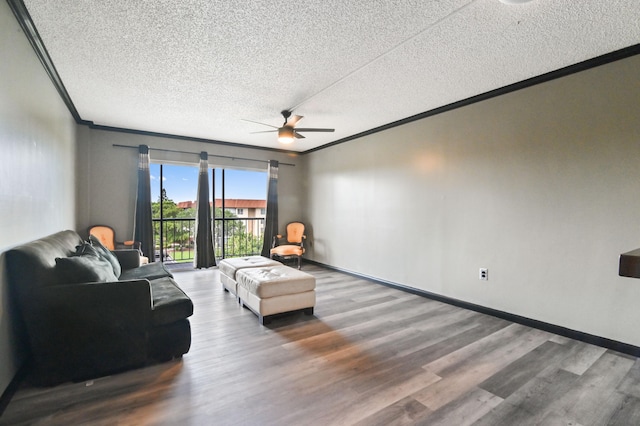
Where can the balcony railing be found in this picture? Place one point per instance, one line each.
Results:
(233, 237)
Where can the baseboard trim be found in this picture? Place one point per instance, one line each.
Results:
(10, 391)
(624, 348)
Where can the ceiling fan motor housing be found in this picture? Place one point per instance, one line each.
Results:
(286, 134)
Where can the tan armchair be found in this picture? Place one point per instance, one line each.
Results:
(107, 237)
(291, 246)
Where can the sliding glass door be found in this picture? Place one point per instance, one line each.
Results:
(173, 194)
(239, 209)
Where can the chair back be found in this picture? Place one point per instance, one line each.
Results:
(295, 231)
(105, 234)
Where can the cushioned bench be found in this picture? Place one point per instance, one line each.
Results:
(276, 289)
(229, 267)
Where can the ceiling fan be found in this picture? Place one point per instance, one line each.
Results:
(289, 131)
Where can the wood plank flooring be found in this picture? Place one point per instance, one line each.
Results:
(370, 355)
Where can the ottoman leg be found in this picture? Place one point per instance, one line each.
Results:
(308, 311)
(264, 320)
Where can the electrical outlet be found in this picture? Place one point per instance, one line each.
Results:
(484, 274)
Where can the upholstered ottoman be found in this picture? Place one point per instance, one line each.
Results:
(229, 267)
(276, 289)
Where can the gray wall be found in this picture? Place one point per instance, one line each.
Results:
(37, 175)
(540, 186)
(108, 174)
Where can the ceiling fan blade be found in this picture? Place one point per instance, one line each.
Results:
(298, 135)
(293, 120)
(257, 122)
(264, 131)
(311, 129)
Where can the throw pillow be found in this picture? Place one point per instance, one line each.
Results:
(86, 249)
(106, 254)
(81, 269)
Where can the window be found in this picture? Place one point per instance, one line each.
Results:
(236, 232)
(173, 194)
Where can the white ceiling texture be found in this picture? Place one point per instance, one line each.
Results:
(199, 68)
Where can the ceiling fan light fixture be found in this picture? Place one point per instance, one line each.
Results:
(285, 135)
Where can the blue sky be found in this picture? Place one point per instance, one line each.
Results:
(181, 183)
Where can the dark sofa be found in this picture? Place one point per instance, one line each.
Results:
(80, 323)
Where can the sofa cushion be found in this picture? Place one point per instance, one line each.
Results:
(149, 271)
(82, 269)
(128, 258)
(32, 265)
(106, 254)
(170, 303)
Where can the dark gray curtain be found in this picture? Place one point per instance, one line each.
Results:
(271, 220)
(143, 224)
(204, 255)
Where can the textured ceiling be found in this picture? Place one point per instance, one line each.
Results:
(197, 68)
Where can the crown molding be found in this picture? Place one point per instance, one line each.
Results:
(26, 23)
(543, 78)
(24, 19)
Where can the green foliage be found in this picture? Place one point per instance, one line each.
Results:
(242, 244)
(187, 213)
(169, 207)
(179, 231)
(177, 234)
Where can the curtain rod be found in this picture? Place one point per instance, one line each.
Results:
(210, 155)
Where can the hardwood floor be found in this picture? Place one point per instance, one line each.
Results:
(370, 355)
